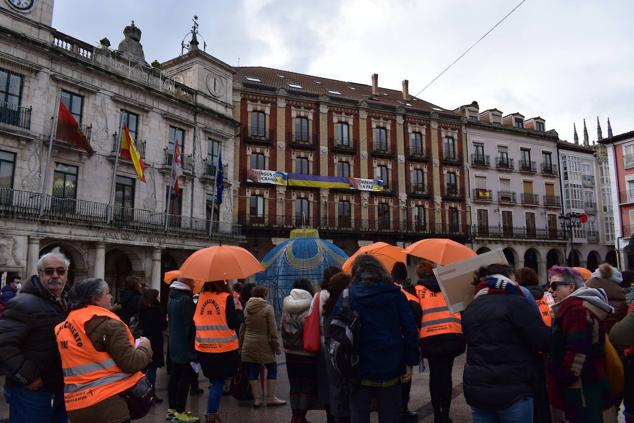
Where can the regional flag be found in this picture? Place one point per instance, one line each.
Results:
(68, 130)
(220, 180)
(177, 168)
(129, 151)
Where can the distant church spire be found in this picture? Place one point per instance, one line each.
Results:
(576, 135)
(609, 129)
(586, 138)
(599, 132)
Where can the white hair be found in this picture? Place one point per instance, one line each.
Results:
(55, 253)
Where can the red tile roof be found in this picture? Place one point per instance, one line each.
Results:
(316, 86)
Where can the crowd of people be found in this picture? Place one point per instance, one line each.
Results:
(555, 352)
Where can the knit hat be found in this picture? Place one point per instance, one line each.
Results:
(605, 271)
(596, 297)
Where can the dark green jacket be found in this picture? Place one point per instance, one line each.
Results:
(180, 310)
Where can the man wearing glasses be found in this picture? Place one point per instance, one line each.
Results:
(28, 349)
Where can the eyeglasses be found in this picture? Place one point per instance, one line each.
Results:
(49, 271)
(555, 285)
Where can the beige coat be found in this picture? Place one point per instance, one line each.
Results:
(258, 333)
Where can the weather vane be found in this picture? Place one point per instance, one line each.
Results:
(193, 35)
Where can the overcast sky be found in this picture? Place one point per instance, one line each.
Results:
(564, 60)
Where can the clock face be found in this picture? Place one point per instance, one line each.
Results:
(215, 85)
(22, 5)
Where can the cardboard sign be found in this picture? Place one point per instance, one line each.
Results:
(456, 280)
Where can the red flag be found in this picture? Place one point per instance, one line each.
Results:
(68, 130)
(177, 168)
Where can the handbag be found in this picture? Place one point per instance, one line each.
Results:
(239, 388)
(139, 398)
(312, 328)
(614, 369)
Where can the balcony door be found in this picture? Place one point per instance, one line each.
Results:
(531, 230)
(124, 199)
(507, 223)
(483, 222)
(552, 226)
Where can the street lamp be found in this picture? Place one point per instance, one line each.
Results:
(569, 222)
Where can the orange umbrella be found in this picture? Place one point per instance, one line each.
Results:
(382, 251)
(220, 263)
(171, 275)
(440, 251)
(585, 273)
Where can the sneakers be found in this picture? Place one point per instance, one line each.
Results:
(185, 416)
(170, 414)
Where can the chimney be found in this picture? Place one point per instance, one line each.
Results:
(375, 83)
(405, 89)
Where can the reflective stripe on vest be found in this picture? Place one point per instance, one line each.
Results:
(213, 335)
(545, 311)
(437, 320)
(90, 376)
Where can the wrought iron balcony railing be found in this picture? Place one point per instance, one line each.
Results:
(480, 160)
(510, 232)
(508, 197)
(25, 205)
(15, 115)
(552, 201)
(346, 224)
(530, 199)
(549, 169)
(482, 195)
(504, 163)
(258, 134)
(527, 166)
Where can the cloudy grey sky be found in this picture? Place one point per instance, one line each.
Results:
(563, 60)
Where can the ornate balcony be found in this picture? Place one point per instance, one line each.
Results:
(504, 164)
(15, 116)
(481, 161)
(482, 195)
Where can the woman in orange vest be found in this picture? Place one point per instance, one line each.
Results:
(216, 340)
(99, 357)
(441, 340)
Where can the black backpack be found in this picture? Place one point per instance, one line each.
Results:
(342, 340)
(293, 331)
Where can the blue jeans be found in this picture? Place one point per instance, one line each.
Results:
(520, 412)
(34, 406)
(253, 370)
(151, 375)
(215, 394)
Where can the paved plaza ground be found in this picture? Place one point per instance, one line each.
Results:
(238, 412)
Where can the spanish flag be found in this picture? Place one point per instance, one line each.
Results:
(129, 151)
(69, 130)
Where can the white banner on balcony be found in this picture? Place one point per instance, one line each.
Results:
(366, 184)
(267, 176)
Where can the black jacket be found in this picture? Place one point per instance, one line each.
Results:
(153, 323)
(445, 345)
(129, 300)
(504, 334)
(28, 348)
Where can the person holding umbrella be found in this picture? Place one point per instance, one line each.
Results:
(216, 340)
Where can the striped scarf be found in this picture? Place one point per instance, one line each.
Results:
(496, 285)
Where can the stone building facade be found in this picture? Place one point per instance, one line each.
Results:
(187, 100)
(309, 145)
(514, 188)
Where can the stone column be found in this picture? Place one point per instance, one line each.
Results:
(323, 139)
(363, 144)
(100, 260)
(156, 269)
(437, 177)
(33, 254)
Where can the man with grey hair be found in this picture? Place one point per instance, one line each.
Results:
(29, 357)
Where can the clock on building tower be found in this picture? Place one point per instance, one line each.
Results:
(22, 5)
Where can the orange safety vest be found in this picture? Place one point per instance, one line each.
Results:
(90, 376)
(212, 333)
(437, 320)
(545, 311)
(410, 297)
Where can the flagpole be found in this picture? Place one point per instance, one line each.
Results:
(113, 185)
(170, 186)
(215, 193)
(51, 140)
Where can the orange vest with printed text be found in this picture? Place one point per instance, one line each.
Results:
(213, 335)
(410, 297)
(544, 311)
(90, 376)
(437, 320)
